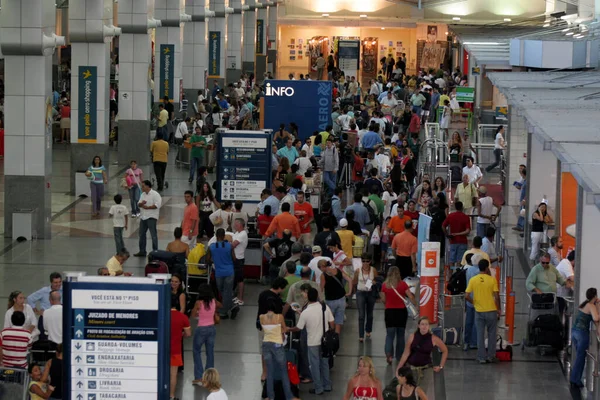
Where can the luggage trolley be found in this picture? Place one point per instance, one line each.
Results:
(451, 315)
(544, 327)
(196, 274)
(14, 383)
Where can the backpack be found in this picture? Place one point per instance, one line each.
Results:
(458, 282)
(330, 342)
(373, 218)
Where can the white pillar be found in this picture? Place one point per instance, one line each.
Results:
(28, 42)
(587, 274)
(195, 50)
(249, 47)
(235, 39)
(517, 153)
(217, 40)
(135, 79)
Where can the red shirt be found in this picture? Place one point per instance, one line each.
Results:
(263, 223)
(415, 123)
(190, 216)
(65, 112)
(391, 298)
(303, 212)
(414, 216)
(458, 222)
(178, 323)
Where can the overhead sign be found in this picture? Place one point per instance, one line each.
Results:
(214, 54)
(87, 110)
(307, 103)
(244, 159)
(476, 71)
(465, 94)
(117, 340)
(167, 71)
(260, 36)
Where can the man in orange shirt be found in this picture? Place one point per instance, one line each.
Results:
(284, 221)
(405, 244)
(189, 225)
(397, 222)
(304, 212)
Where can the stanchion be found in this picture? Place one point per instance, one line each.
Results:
(447, 276)
(509, 319)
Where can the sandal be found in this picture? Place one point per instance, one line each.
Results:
(361, 340)
(369, 335)
(389, 360)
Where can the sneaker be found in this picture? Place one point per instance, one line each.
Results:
(492, 360)
(140, 254)
(234, 312)
(313, 391)
(240, 303)
(235, 300)
(197, 382)
(133, 215)
(482, 362)
(466, 347)
(190, 180)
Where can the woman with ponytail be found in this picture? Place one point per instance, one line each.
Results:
(588, 311)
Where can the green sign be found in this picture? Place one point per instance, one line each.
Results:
(260, 36)
(88, 92)
(465, 94)
(214, 54)
(167, 71)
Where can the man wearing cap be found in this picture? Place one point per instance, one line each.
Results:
(485, 211)
(346, 236)
(405, 245)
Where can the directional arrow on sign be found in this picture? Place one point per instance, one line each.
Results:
(78, 346)
(78, 359)
(79, 385)
(79, 317)
(78, 333)
(79, 396)
(79, 371)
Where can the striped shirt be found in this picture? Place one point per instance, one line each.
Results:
(15, 343)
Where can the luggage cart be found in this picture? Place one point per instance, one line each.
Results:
(540, 304)
(14, 384)
(183, 155)
(451, 314)
(196, 275)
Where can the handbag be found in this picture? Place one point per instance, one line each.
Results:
(410, 307)
(124, 184)
(503, 352)
(375, 237)
(216, 318)
(330, 342)
(293, 373)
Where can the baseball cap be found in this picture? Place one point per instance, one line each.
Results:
(343, 222)
(316, 249)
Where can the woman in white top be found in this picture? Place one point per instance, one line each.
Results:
(212, 382)
(446, 117)
(498, 148)
(364, 279)
(16, 302)
(223, 217)
(388, 197)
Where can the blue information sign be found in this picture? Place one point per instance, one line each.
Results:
(88, 91)
(214, 54)
(116, 340)
(167, 71)
(307, 103)
(244, 160)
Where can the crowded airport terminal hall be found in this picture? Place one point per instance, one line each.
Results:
(300, 199)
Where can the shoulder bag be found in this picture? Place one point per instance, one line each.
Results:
(330, 342)
(410, 307)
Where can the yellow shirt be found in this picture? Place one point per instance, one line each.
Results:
(41, 385)
(347, 238)
(160, 150)
(163, 116)
(442, 98)
(114, 266)
(483, 287)
(474, 251)
(465, 194)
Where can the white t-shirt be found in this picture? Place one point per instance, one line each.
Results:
(312, 319)
(383, 163)
(487, 208)
(240, 91)
(240, 249)
(303, 165)
(182, 129)
(565, 269)
(218, 395)
(498, 141)
(474, 173)
(360, 134)
(388, 199)
(308, 149)
(344, 121)
(118, 212)
(389, 102)
(314, 265)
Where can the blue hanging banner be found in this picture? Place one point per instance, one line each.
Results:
(214, 54)
(167, 71)
(423, 234)
(87, 110)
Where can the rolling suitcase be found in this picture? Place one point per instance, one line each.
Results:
(156, 267)
(291, 356)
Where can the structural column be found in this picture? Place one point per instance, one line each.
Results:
(249, 47)
(235, 40)
(195, 50)
(217, 41)
(516, 154)
(272, 36)
(262, 19)
(587, 274)
(168, 44)
(28, 42)
(135, 80)
(90, 33)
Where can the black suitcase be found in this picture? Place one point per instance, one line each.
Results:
(456, 174)
(291, 356)
(547, 330)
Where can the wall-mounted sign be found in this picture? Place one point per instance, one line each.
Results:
(465, 94)
(214, 54)
(260, 36)
(88, 92)
(167, 71)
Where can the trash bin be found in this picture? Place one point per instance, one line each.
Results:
(23, 223)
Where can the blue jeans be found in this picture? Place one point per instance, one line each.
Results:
(581, 340)
(134, 198)
(330, 180)
(225, 287)
(521, 220)
(417, 110)
(470, 328)
(338, 308)
(274, 356)
(204, 335)
(481, 229)
(487, 320)
(119, 238)
(145, 226)
(457, 250)
(497, 155)
(365, 302)
(319, 369)
(397, 334)
(195, 163)
(97, 191)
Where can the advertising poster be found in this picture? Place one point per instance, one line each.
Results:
(214, 54)
(88, 92)
(167, 71)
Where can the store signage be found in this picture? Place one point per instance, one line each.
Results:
(116, 335)
(260, 36)
(167, 71)
(307, 103)
(465, 94)
(214, 54)
(244, 159)
(87, 110)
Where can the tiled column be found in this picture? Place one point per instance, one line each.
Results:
(249, 47)
(587, 274)
(135, 80)
(195, 50)
(28, 42)
(272, 36)
(218, 26)
(172, 15)
(235, 40)
(90, 32)
(260, 66)
(516, 154)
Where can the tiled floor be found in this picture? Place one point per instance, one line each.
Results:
(83, 244)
